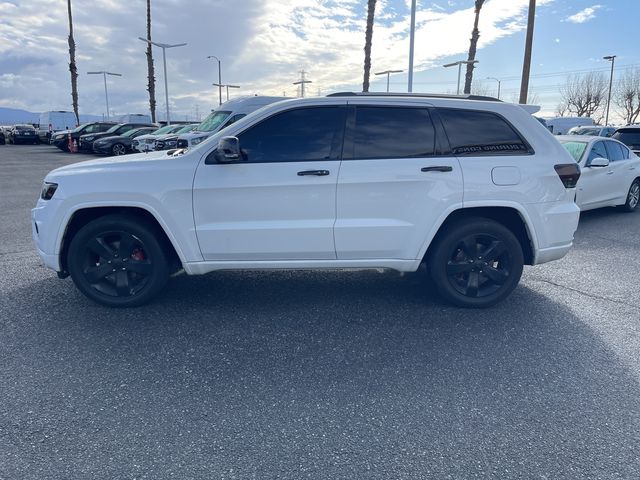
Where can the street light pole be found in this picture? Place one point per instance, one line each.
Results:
(412, 34)
(104, 76)
(219, 84)
(612, 59)
(459, 64)
(164, 47)
(497, 80)
(387, 72)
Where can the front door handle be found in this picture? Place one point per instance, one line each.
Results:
(609, 173)
(438, 168)
(317, 173)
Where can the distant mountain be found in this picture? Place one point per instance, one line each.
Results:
(10, 116)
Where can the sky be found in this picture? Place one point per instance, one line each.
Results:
(264, 44)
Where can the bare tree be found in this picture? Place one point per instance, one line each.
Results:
(532, 97)
(481, 88)
(475, 36)
(371, 10)
(561, 109)
(584, 95)
(72, 66)
(627, 95)
(151, 85)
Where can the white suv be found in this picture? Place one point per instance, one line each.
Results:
(473, 187)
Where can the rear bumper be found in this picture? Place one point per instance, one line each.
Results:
(555, 225)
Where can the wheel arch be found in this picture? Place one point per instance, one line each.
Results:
(509, 216)
(82, 216)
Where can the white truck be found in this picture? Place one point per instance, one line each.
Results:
(561, 125)
(55, 121)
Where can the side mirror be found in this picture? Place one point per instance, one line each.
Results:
(228, 150)
(599, 162)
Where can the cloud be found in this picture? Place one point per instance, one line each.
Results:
(584, 15)
(262, 44)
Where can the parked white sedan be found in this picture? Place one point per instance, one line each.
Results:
(610, 172)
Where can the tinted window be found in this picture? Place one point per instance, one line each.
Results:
(630, 137)
(389, 132)
(304, 134)
(597, 151)
(615, 151)
(474, 132)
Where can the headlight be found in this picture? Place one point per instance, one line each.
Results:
(88, 139)
(48, 189)
(171, 143)
(197, 140)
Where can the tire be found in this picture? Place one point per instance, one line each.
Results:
(633, 197)
(118, 149)
(117, 261)
(475, 263)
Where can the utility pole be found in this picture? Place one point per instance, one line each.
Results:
(219, 84)
(612, 59)
(412, 34)
(526, 66)
(302, 82)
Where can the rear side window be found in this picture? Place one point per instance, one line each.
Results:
(473, 132)
(630, 137)
(390, 132)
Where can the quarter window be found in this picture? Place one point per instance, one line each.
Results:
(301, 135)
(389, 132)
(473, 132)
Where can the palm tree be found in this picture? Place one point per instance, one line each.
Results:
(151, 86)
(367, 44)
(72, 66)
(475, 35)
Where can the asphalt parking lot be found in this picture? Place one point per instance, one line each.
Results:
(318, 375)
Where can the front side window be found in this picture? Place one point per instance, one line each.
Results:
(474, 132)
(597, 151)
(615, 151)
(393, 132)
(301, 135)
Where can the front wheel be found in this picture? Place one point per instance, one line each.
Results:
(476, 263)
(117, 261)
(118, 149)
(633, 197)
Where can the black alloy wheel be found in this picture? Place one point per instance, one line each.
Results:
(117, 261)
(476, 263)
(118, 149)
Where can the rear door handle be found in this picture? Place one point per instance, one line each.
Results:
(317, 173)
(437, 168)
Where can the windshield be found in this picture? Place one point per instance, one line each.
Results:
(131, 133)
(186, 129)
(161, 130)
(576, 149)
(631, 138)
(212, 122)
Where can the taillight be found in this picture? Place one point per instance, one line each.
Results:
(569, 174)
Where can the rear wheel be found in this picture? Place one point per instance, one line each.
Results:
(476, 263)
(117, 261)
(633, 197)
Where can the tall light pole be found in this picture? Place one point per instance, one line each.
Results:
(164, 47)
(227, 87)
(459, 63)
(387, 72)
(612, 59)
(106, 94)
(219, 84)
(412, 34)
(497, 80)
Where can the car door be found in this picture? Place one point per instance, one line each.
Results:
(595, 187)
(393, 185)
(279, 201)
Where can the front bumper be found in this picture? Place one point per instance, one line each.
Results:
(44, 233)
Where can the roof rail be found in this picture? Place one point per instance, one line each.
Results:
(421, 95)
